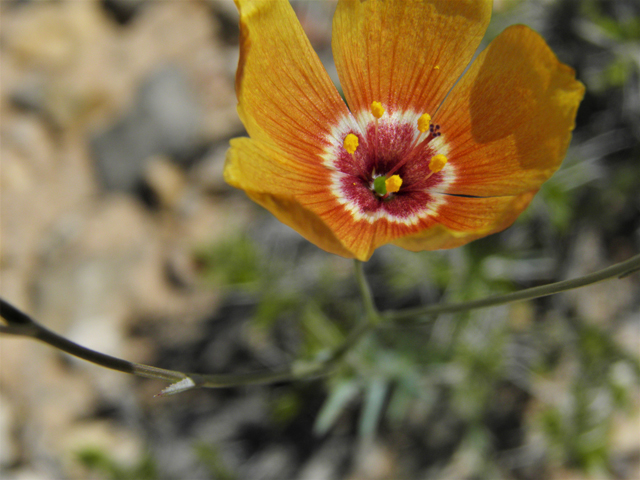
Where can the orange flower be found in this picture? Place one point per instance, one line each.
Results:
(402, 164)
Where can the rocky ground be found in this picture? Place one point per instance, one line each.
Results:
(115, 117)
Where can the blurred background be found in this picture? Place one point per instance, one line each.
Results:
(118, 231)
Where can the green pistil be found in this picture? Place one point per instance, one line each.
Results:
(379, 185)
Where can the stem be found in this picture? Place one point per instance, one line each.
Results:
(20, 324)
(373, 315)
(619, 270)
(23, 325)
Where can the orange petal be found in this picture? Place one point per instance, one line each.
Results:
(278, 185)
(253, 165)
(285, 96)
(361, 237)
(463, 219)
(290, 212)
(300, 197)
(405, 54)
(508, 121)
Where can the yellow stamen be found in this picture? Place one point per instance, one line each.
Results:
(437, 163)
(393, 183)
(437, 67)
(423, 122)
(350, 143)
(377, 110)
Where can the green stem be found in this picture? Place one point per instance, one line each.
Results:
(20, 324)
(23, 325)
(372, 313)
(619, 270)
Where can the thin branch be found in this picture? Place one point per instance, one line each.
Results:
(619, 270)
(20, 324)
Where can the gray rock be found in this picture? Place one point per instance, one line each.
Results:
(164, 120)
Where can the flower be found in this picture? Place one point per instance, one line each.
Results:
(407, 162)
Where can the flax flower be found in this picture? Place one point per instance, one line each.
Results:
(420, 158)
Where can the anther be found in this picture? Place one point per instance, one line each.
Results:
(424, 122)
(437, 163)
(377, 110)
(350, 143)
(393, 183)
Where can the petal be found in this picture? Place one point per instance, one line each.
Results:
(300, 196)
(406, 54)
(463, 219)
(508, 121)
(285, 96)
(274, 183)
(253, 165)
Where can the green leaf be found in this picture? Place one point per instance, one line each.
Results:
(373, 407)
(340, 396)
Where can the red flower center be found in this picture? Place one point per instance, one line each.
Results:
(391, 147)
